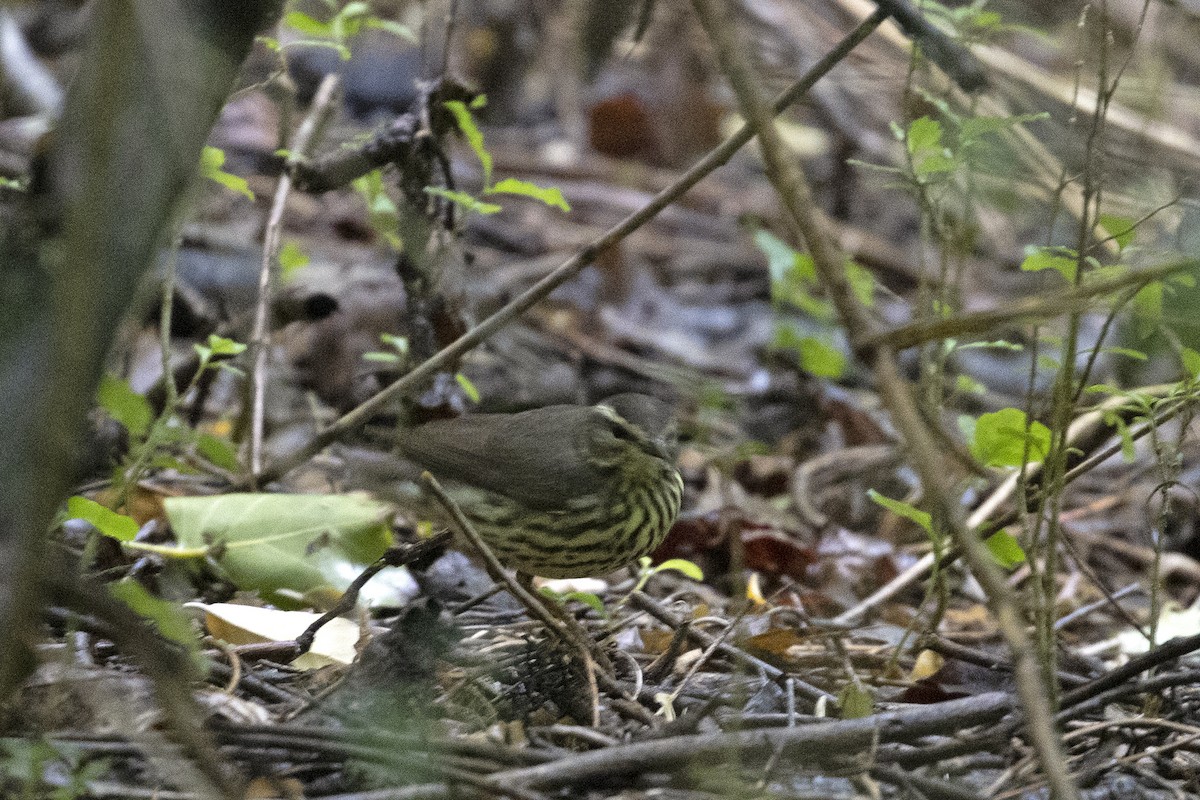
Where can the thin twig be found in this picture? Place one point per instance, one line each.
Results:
(260, 337)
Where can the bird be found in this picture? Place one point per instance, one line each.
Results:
(563, 491)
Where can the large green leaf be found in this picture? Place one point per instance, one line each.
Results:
(272, 543)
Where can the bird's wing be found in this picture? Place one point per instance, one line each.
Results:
(535, 457)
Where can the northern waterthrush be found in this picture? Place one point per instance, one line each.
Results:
(562, 491)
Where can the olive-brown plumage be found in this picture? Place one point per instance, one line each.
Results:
(562, 491)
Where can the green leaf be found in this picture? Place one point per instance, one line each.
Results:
(168, 618)
(1191, 361)
(467, 201)
(550, 196)
(468, 388)
(1005, 548)
(924, 142)
(821, 358)
(218, 346)
(273, 543)
(474, 136)
(862, 282)
(211, 161)
(1002, 439)
(855, 702)
(104, 519)
(394, 28)
(385, 358)
(397, 343)
(291, 258)
(1058, 259)
(590, 600)
(309, 26)
(1120, 228)
(998, 344)
(968, 385)
(923, 134)
(219, 451)
(782, 260)
(382, 212)
(124, 405)
(905, 510)
(681, 565)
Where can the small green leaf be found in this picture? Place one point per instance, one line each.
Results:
(474, 136)
(588, 599)
(548, 195)
(1002, 439)
(382, 212)
(385, 358)
(924, 142)
(309, 26)
(220, 346)
(291, 258)
(211, 161)
(1120, 228)
(820, 358)
(681, 565)
(1058, 259)
(1005, 548)
(105, 520)
(855, 702)
(468, 388)
(923, 134)
(905, 510)
(781, 259)
(467, 201)
(998, 344)
(968, 385)
(1191, 361)
(219, 451)
(862, 282)
(397, 343)
(124, 405)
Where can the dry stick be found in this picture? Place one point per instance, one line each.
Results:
(260, 337)
(394, 557)
(791, 185)
(807, 744)
(1030, 308)
(534, 294)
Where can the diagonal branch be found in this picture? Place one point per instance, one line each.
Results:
(569, 269)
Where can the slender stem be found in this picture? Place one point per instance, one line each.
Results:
(260, 337)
